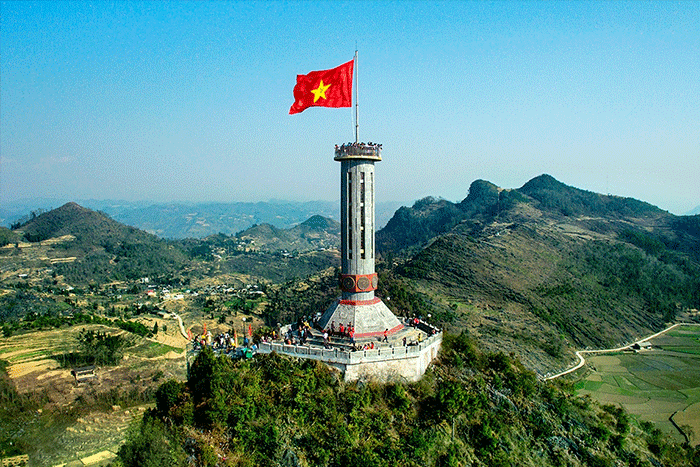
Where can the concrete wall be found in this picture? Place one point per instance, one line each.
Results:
(383, 364)
(409, 369)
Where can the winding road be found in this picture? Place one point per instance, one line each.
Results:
(582, 361)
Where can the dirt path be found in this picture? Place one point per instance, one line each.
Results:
(182, 326)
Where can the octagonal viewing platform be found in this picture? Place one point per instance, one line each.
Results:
(369, 151)
(404, 355)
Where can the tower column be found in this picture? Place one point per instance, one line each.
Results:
(358, 279)
(357, 306)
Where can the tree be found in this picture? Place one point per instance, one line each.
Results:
(101, 348)
(453, 399)
(148, 445)
(209, 383)
(167, 395)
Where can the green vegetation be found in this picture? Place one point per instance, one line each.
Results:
(7, 236)
(33, 321)
(297, 298)
(101, 347)
(471, 408)
(568, 201)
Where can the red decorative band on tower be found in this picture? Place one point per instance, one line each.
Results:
(374, 301)
(358, 282)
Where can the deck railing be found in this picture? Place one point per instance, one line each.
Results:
(359, 149)
(349, 357)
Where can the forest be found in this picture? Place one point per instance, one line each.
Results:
(471, 408)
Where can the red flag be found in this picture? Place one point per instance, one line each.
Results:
(324, 88)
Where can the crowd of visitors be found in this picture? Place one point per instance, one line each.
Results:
(342, 330)
(358, 149)
(227, 342)
(305, 331)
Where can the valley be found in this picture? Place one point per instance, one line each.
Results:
(520, 279)
(658, 384)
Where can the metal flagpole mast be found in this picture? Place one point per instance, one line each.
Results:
(357, 121)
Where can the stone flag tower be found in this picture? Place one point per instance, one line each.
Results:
(358, 306)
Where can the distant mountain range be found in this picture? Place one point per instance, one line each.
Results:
(196, 220)
(538, 270)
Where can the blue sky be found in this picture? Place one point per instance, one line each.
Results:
(189, 101)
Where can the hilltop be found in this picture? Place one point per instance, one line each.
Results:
(315, 233)
(547, 268)
(87, 246)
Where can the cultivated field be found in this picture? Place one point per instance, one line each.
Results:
(84, 424)
(660, 385)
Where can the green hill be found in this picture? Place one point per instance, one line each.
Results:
(89, 246)
(547, 268)
(315, 233)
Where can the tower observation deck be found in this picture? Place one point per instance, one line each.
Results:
(358, 306)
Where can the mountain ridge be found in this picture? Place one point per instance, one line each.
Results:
(547, 268)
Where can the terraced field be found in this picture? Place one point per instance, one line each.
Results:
(84, 424)
(660, 385)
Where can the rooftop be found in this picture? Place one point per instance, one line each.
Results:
(371, 151)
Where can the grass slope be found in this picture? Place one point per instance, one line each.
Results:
(547, 268)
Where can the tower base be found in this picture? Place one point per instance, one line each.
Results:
(369, 317)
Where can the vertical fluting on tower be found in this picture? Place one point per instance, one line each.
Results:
(358, 280)
(357, 307)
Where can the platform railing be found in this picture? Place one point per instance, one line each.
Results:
(360, 149)
(349, 357)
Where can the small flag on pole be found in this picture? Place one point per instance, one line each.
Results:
(324, 88)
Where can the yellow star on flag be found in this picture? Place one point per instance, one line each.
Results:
(320, 91)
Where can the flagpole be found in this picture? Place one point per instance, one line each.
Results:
(357, 115)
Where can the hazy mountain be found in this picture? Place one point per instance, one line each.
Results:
(317, 232)
(694, 211)
(195, 220)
